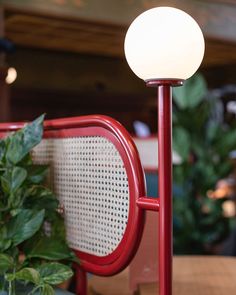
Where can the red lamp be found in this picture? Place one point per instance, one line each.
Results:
(164, 46)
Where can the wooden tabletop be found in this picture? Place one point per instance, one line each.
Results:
(193, 275)
(200, 275)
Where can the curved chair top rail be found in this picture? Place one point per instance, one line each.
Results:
(96, 173)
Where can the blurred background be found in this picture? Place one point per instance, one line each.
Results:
(66, 58)
(69, 56)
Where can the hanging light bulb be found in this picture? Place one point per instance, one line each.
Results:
(11, 75)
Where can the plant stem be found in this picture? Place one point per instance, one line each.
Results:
(12, 284)
(34, 290)
(13, 287)
(10, 288)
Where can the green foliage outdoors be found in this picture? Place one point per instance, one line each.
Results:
(204, 145)
(27, 253)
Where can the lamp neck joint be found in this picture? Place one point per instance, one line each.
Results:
(161, 82)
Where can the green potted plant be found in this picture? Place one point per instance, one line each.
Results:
(203, 144)
(33, 248)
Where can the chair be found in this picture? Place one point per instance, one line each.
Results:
(97, 176)
(96, 173)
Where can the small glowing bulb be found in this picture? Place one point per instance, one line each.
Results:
(11, 75)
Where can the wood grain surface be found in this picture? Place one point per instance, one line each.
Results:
(200, 275)
(193, 275)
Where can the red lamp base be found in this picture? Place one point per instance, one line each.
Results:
(159, 82)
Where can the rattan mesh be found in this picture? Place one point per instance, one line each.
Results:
(89, 178)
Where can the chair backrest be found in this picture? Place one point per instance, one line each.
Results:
(97, 176)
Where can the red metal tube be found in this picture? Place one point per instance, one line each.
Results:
(165, 187)
(165, 180)
(148, 203)
(81, 281)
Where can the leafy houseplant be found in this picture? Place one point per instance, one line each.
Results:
(203, 144)
(29, 254)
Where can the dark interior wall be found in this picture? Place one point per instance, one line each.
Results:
(65, 84)
(75, 72)
(219, 76)
(68, 84)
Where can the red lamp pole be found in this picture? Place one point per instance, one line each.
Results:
(164, 95)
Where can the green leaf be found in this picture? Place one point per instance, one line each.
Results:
(54, 273)
(6, 262)
(191, 93)
(39, 197)
(5, 243)
(37, 191)
(29, 275)
(50, 248)
(2, 149)
(181, 142)
(14, 212)
(9, 277)
(22, 141)
(226, 142)
(37, 173)
(12, 179)
(24, 225)
(212, 131)
(47, 290)
(13, 252)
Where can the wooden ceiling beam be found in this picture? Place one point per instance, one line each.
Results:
(50, 31)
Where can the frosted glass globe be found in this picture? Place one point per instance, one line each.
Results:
(164, 43)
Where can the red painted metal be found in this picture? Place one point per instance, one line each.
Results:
(148, 203)
(81, 279)
(164, 88)
(165, 187)
(150, 170)
(12, 126)
(161, 82)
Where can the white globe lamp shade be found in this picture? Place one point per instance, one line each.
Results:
(164, 43)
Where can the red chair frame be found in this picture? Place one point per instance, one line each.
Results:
(107, 127)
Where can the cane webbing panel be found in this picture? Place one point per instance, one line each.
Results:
(89, 178)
